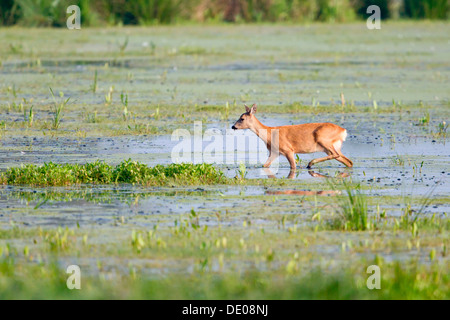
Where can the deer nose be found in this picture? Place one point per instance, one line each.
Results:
(233, 127)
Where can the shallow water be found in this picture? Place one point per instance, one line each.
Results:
(423, 163)
(396, 159)
(264, 64)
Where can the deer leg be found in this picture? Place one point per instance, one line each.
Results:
(272, 157)
(330, 151)
(269, 173)
(291, 159)
(314, 161)
(291, 174)
(343, 159)
(316, 174)
(349, 162)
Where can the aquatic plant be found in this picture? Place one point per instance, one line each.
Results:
(425, 120)
(441, 130)
(123, 46)
(398, 160)
(92, 117)
(241, 173)
(397, 282)
(124, 100)
(94, 86)
(58, 240)
(128, 171)
(58, 108)
(352, 210)
(109, 96)
(137, 241)
(413, 218)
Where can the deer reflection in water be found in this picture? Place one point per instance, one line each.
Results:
(292, 174)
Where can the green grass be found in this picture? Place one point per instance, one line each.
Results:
(58, 108)
(352, 209)
(171, 100)
(221, 253)
(237, 242)
(128, 171)
(38, 281)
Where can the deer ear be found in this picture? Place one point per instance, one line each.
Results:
(247, 109)
(253, 109)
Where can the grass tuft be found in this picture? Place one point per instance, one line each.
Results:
(352, 210)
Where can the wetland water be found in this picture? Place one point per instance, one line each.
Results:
(192, 74)
(423, 167)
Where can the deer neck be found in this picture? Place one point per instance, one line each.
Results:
(262, 131)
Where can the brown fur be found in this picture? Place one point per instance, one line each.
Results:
(300, 138)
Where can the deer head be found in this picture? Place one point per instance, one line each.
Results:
(246, 120)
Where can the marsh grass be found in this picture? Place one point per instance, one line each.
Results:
(92, 117)
(153, 119)
(397, 282)
(124, 100)
(274, 260)
(58, 108)
(441, 130)
(2, 130)
(109, 96)
(58, 240)
(128, 171)
(352, 209)
(94, 86)
(425, 120)
(241, 173)
(413, 219)
(30, 117)
(398, 161)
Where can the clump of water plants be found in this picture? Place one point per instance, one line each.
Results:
(128, 171)
(58, 110)
(352, 210)
(58, 240)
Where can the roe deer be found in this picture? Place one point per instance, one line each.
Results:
(300, 138)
